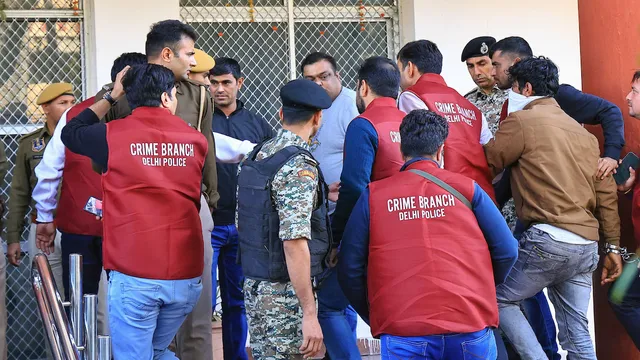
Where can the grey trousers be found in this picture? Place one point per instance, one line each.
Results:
(193, 340)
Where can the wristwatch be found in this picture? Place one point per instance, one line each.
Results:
(111, 100)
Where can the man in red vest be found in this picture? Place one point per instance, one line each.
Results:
(151, 201)
(420, 64)
(421, 252)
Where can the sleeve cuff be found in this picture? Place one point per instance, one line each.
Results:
(612, 152)
(44, 217)
(12, 238)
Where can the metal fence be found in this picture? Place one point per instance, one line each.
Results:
(269, 38)
(41, 41)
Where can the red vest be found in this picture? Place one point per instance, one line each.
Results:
(151, 191)
(463, 153)
(385, 117)
(429, 267)
(505, 110)
(79, 183)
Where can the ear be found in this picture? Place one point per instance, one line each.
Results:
(240, 83)
(412, 69)
(528, 90)
(165, 99)
(317, 117)
(364, 88)
(281, 115)
(440, 153)
(516, 60)
(166, 54)
(45, 108)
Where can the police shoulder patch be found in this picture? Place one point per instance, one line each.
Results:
(308, 173)
(37, 145)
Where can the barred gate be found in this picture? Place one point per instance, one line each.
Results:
(41, 41)
(269, 38)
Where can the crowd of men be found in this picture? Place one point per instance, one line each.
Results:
(438, 218)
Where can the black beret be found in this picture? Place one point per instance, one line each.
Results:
(304, 94)
(477, 47)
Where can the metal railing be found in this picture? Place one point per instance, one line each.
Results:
(78, 339)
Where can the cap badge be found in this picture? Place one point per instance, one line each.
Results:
(484, 48)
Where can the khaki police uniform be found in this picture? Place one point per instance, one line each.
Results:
(195, 106)
(30, 151)
(4, 166)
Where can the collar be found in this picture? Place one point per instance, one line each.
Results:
(547, 100)
(430, 77)
(239, 107)
(382, 102)
(291, 138)
(423, 161)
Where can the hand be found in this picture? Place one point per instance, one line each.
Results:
(606, 165)
(118, 89)
(611, 269)
(311, 336)
(13, 253)
(334, 191)
(45, 235)
(624, 187)
(333, 258)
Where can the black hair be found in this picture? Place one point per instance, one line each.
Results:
(297, 116)
(145, 84)
(424, 54)
(130, 59)
(636, 76)
(382, 76)
(538, 71)
(226, 66)
(316, 57)
(422, 132)
(167, 33)
(514, 45)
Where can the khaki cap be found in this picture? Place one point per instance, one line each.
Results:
(53, 91)
(204, 62)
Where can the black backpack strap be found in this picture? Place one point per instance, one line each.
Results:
(443, 185)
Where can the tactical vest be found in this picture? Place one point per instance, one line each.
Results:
(152, 227)
(79, 183)
(463, 153)
(261, 251)
(384, 116)
(429, 266)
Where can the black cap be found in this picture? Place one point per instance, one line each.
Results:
(477, 47)
(303, 94)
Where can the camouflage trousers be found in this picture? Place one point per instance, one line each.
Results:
(509, 214)
(275, 320)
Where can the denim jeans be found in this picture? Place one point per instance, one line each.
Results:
(337, 319)
(566, 271)
(224, 240)
(628, 312)
(476, 345)
(146, 314)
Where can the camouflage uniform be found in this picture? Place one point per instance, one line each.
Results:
(491, 106)
(273, 310)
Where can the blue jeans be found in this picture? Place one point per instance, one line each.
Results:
(145, 314)
(566, 271)
(538, 313)
(337, 319)
(628, 312)
(476, 345)
(224, 240)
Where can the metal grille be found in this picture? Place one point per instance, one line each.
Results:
(40, 43)
(269, 38)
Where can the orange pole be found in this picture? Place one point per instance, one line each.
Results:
(610, 53)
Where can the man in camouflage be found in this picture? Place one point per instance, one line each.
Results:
(486, 96)
(281, 310)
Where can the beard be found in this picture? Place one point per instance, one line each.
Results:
(360, 104)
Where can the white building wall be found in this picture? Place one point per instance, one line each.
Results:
(120, 26)
(550, 27)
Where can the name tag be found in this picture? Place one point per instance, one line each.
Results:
(37, 157)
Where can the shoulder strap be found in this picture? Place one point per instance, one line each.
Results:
(443, 185)
(202, 99)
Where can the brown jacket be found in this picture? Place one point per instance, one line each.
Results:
(553, 162)
(188, 94)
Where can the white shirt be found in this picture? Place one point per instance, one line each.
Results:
(563, 235)
(408, 101)
(49, 171)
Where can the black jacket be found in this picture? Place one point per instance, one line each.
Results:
(242, 124)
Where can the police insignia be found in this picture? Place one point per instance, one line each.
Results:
(37, 145)
(484, 48)
(307, 173)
